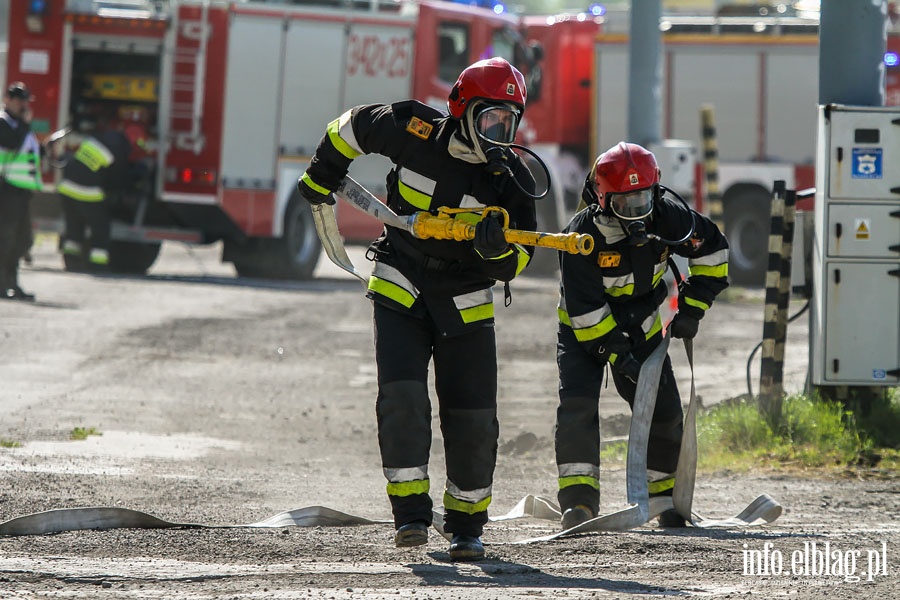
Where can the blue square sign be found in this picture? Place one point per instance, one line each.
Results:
(867, 163)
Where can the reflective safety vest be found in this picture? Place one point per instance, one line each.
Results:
(22, 167)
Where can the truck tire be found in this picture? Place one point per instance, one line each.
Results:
(132, 258)
(747, 229)
(293, 256)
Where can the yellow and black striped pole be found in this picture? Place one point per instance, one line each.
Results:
(784, 291)
(711, 164)
(770, 389)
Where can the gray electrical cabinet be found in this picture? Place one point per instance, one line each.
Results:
(855, 318)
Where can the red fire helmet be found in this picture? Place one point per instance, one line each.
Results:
(492, 79)
(624, 180)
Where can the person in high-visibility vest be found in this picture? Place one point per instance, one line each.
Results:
(20, 175)
(97, 172)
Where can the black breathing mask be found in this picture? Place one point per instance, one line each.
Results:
(496, 159)
(636, 232)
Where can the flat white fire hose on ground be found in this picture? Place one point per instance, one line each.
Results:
(641, 509)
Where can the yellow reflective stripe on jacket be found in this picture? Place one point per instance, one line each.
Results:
(475, 306)
(305, 178)
(390, 283)
(712, 265)
(652, 325)
(340, 132)
(593, 325)
(622, 285)
(720, 271)
(523, 259)
(466, 501)
(93, 155)
(502, 256)
(83, 193)
(414, 197)
(696, 303)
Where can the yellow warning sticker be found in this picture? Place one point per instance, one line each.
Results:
(419, 128)
(862, 229)
(609, 259)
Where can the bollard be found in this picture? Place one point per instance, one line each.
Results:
(770, 397)
(711, 165)
(784, 294)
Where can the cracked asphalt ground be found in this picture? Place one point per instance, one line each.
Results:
(223, 401)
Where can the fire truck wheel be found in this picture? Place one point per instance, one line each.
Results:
(293, 256)
(747, 230)
(132, 258)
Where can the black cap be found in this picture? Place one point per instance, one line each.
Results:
(18, 89)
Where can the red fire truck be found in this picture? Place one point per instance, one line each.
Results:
(236, 96)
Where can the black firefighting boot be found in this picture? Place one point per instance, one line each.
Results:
(9, 286)
(669, 519)
(576, 515)
(466, 547)
(411, 534)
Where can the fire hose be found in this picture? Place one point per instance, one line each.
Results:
(764, 509)
(425, 225)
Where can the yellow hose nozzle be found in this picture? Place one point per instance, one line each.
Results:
(445, 227)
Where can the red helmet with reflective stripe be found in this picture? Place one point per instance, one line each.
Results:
(622, 171)
(493, 79)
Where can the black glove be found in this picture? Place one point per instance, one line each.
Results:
(628, 367)
(489, 239)
(684, 326)
(313, 196)
(615, 342)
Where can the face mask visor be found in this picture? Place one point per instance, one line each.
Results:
(633, 205)
(497, 124)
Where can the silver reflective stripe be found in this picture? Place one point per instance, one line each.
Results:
(648, 323)
(406, 474)
(345, 130)
(618, 282)
(389, 273)
(562, 302)
(592, 318)
(712, 260)
(579, 469)
(470, 202)
(474, 299)
(418, 182)
(470, 496)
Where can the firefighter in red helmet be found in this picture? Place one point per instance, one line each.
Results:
(433, 299)
(609, 314)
